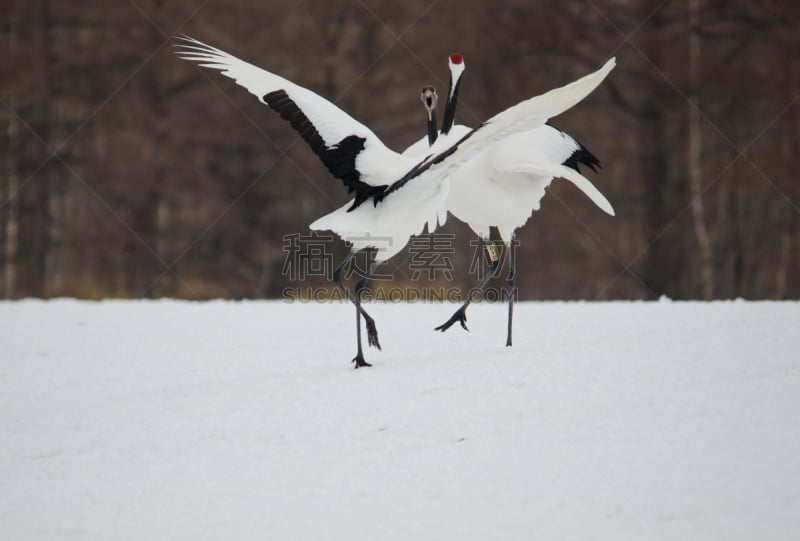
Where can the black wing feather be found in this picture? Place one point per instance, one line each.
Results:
(340, 158)
(581, 156)
(423, 166)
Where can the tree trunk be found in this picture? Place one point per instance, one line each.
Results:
(695, 154)
(660, 271)
(33, 218)
(9, 201)
(788, 284)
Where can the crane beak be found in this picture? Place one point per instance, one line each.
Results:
(429, 99)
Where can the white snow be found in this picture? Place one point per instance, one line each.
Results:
(244, 420)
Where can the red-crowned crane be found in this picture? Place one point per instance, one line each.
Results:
(503, 185)
(395, 195)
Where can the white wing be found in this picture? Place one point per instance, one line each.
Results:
(550, 170)
(311, 115)
(526, 115)
(542, 152)
(422, 149)
(419, 149)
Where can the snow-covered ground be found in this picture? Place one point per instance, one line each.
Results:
(244, 420)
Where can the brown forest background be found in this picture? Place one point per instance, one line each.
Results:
(125, 172)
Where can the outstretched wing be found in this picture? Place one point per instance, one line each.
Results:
(350, 150)
(562, 171)
(547, 152)
(523, 116)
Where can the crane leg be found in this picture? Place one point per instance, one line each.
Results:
(362, 282)
(460, 315)
(372, 330)
(512, 288)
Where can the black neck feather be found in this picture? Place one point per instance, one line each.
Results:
(433, 133)
(450, 108)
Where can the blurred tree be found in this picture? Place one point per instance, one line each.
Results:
(168, 180)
